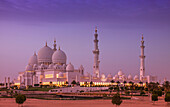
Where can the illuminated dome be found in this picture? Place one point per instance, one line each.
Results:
(120, 73)
(136, 77)
(60, 74)
(70, 67)
(109, 76)
(29, 68)
(59, 57)
(129, 77)
(33, 59)
(103, 76)
(45, 55)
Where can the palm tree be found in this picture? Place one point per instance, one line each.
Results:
(166, 86)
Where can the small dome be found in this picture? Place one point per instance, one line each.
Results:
(86, 74)
(70, 67)
(50, 66)
(60, 74)
(29, 68)
(94, 75)
(45, 54)
(59, 57)
(129, 77)
(35, 66)
(42, 66)
(120, 73)
(81, 67)
(123, 76)
(33, 59)
(109, 76)
(103, 76)
(136, 77)
(116, 76)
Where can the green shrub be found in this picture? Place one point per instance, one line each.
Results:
(116, 99)
(20, 99)
(127, 92)
(154, 97)
(142, 93)
(167, 97)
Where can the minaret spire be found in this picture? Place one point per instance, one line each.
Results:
(142, 60)
(96, 55)
(55, 45)
(46, 43)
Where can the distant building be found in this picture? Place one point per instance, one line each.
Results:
(50, 67)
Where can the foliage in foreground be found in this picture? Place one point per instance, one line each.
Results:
(116, 99)
(20, 99)
(167, 97)
(154, 97)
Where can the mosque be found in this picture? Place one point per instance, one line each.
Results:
(50, 67)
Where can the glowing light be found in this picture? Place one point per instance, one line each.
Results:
(17, 84)
(49, 76)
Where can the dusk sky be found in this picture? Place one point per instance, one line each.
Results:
(25, 26)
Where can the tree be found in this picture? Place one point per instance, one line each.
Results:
(112, 81)
(66, 83)
(20, 99)
(116, 99)
(91, 83)
(110, 89)
(73, 82)
(167, 97)
(154, 98)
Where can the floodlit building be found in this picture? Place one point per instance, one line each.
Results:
(50, 67)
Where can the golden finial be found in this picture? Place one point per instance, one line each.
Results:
(142, 37)
(96, 29)
(46, 43)
(59, 48)
(34, 53)
(54, 40)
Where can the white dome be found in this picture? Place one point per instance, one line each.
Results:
(116, 76)
(60, 74)
(109, 76)
(29, 68)
(123, 76)
(103, 76)
(86, 74)
(51, 66)
(59, 57)
(70, 67)
(35, 66)
(45, 54)
(129, 77)
(136, 77)
(120, 73)
(94, 75)
(81, 67)
(42, 66)
(33, 59)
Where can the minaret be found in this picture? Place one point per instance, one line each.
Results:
(54, 45)
(96, 56)
(142, 60)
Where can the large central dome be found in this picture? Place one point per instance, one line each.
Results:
(59, 57)
(45, 55)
